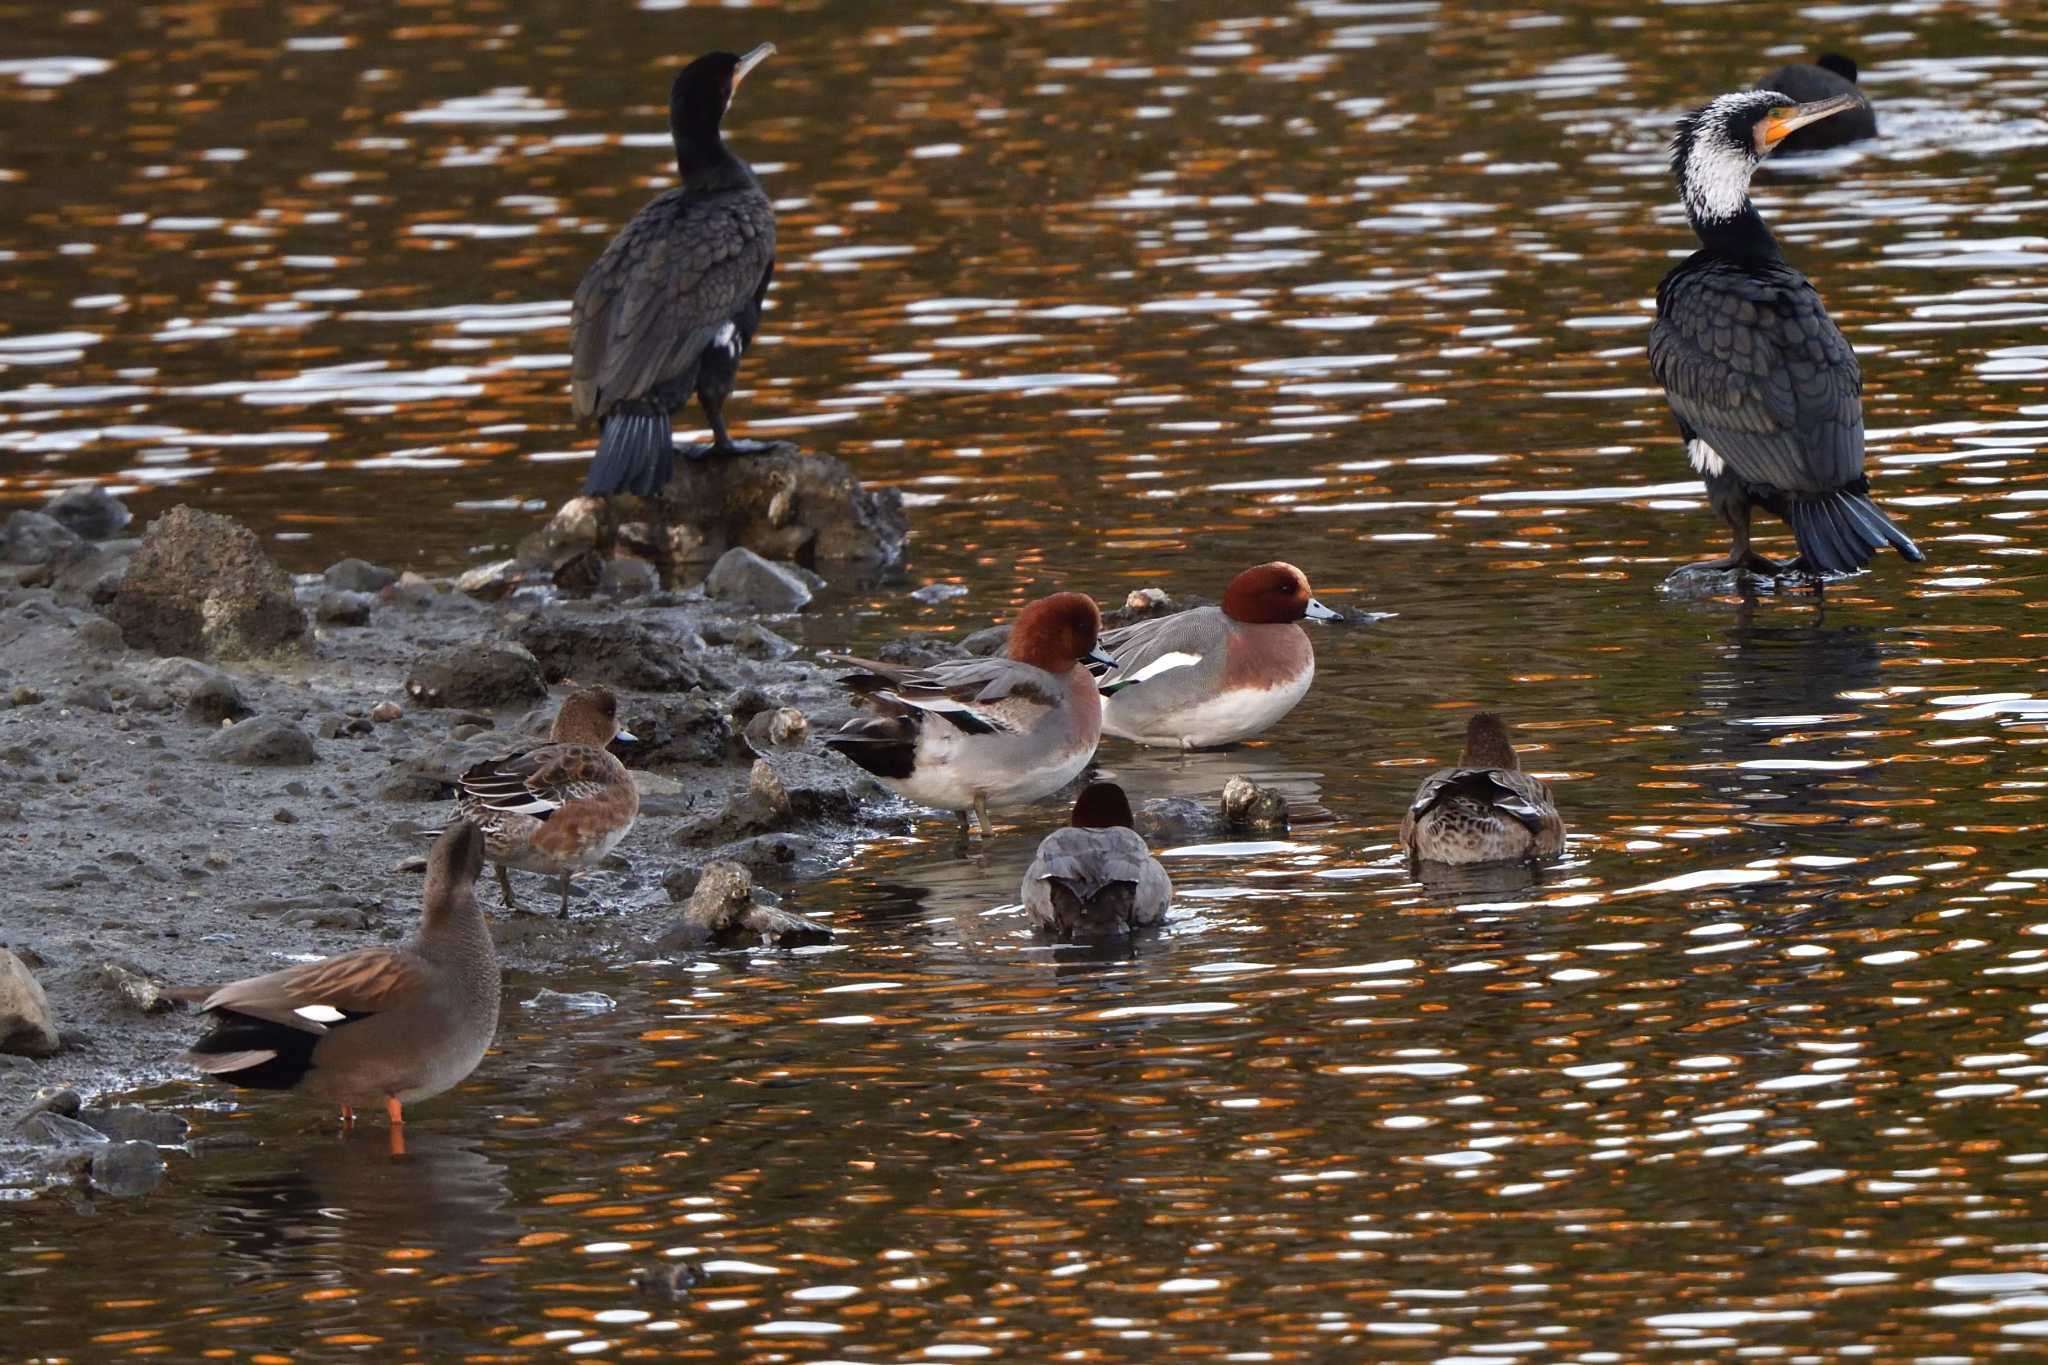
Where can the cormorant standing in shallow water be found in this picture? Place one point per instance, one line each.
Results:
(670, 306)
(1763, 384)
(1828, 75)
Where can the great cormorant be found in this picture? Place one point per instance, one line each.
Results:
(671, 305)
(1828, 75)
(1763, 384)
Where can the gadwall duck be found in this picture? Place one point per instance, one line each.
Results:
(1484, 810)
(378, 1025)
(560, 807)
(1096, 879)
(1215, 675)
(976, 733)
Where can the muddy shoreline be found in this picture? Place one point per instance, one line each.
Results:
(178, 821)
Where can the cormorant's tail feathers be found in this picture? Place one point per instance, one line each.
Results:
(636, 453)
(1838, 532)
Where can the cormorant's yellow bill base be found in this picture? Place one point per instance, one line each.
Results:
(1780, 124)
(767, 50)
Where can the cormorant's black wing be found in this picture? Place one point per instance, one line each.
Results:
(1753, 366)
(686, 266)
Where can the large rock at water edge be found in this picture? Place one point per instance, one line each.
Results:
(201, 586)
(744, 577)
(26, 1027)
(483, 676)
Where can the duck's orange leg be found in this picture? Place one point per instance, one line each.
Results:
(392, 1108)
(348, 1118)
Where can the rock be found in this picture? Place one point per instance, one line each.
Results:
(134, 989)
(88, 696)
(931, 594)
(1171, 818)
(1248, 806)
(629, 654)
(127, 1169)
(264, 742)
(55, 1099)
(353, 575)
(202, 586)
(571, 1002)
(742, 576)
(722, 912)
(580, 574)
(88, 576)
(384, 712)
(689, 732)
(26, 1027)
(88, 510)
(983, 643)
(24, 696)
(490, 582)
(34, 538)
(135, 1123)
(783, 728)
(763, 807)
(476, 675)
(785, 503)
(338, 608)
(208, 695)
(49, 1129)
(624, 578)
(98, 634)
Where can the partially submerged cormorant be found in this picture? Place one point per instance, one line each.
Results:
(1763, 384)
(671, 305)
(1828, 75)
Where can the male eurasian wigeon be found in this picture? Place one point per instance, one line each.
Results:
(1096, 879)
(562, 806)
(376, 1026)
(1484, 810)
(976, 733)
(1215, 675)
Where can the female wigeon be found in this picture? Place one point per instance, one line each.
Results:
(560, 807)
(1215, 675)
(977, 733)
(1096, 879)
(376, 1026)
(1484, 810)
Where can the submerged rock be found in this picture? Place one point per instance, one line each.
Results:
(722, 912)
(482, 675)
(26, 1027)
(90, 511)
(744, 577)
(201, 586)
(127, 1169)
(135, 1123)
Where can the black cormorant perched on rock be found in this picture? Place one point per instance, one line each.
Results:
(1828, 75)
(1763, 384)
(670, 306)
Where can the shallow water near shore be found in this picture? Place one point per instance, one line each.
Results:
(1125, 296)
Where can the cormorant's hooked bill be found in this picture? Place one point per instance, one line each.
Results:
(1780, 124)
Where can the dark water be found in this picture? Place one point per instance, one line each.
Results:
(1123, 295)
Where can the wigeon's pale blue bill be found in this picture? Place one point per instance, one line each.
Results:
(625, 736)
(1318, 612)
(1098, 656)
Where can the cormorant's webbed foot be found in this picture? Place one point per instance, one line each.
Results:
(724, 448)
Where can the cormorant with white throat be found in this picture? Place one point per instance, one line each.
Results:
(1765, 387)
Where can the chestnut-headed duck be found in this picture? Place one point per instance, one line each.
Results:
(1215, 675)
(383, 1026)
(1095, 879)
(1484, 810)
(561, 807)
(967, 735)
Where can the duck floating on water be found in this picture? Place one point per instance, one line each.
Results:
(1215, 675)
(562, 806)
(1484, 809)
(1826, 76)
(388, 1026)
(1764, 386)
(674, 301)
(967, 735)
(1095, 879)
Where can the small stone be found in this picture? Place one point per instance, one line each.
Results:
(133, 988)
(384, 712)
(208, 695)
(624, 578)
(264, 742)
(722, 911)
(337, 608)
(744, 577)
(26, 1027)
(476, 675)
(284, 817)
(1248, 806)
(88, 510)
(137, 1123)
(25, 696)
(99, 634)
(571, 1002)
(1145, 601)
(127, 1169)
(353, 575)
(55, 1099)
(490, 582)
(783, 728)
(87, 696)
(931, 594)
(49, 1129)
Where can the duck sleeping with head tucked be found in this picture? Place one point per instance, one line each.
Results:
(1484, 809)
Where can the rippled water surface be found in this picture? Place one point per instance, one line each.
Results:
(1123, 295)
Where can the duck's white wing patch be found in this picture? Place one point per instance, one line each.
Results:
(1165, 663)
(320, 1014)
(977, 718)
(1704, 457)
